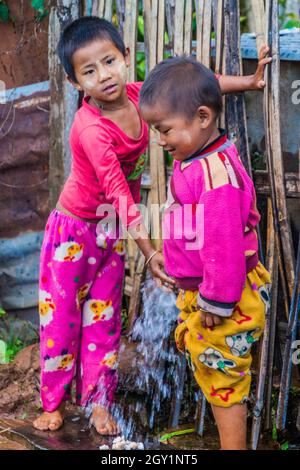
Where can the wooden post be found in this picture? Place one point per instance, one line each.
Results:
(63, 101)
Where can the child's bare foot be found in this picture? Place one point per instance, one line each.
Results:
(103, 421)
(50, 421)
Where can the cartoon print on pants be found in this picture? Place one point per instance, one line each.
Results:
(63, 362)
(264, 292)
(68, 251)
(110, 360)
(222, 393)
(189, 361)
(214, 359)
(46, 307)
(95, 310)
(241, 343)
(119, 247)
(82, 294)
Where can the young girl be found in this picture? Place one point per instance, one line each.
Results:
(210, 240)
(82, 263)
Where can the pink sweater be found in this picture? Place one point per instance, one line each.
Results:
(221, 198)
(105, 164)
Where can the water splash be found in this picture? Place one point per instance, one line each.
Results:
(156, 370)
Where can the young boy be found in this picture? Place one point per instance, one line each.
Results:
(210, 240)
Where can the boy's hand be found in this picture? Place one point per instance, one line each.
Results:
(258, 78)
(156, 265)
(208, 320)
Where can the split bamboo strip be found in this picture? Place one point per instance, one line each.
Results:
(98, 8)
(272, 266)
(187, 41)
(130, 34)
(178, 27)
(219, 37)
(108, 10)
(206, 38)
(161, 30)
(199, 7)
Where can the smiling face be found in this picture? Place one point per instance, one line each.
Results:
(101, 70)
(177, 134)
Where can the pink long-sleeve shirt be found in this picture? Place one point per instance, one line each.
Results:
(210, 240)
(106, 164)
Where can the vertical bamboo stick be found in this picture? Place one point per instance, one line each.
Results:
(130, 34)
(187, 41)
(178, 27)
(98, 8)
(199, 6)
(206, 41)
(219, 37)
(276, 167)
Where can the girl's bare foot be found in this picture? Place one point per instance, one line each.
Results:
(103, 421)
(50, 421)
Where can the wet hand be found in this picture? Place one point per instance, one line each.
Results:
(263, 59)
(208, 320)
(156, 265)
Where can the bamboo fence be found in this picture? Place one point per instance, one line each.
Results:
(175, 18)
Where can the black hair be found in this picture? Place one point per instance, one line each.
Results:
(79, 33)
(182, 84)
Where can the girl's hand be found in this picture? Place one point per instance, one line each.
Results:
(208, 320)
(258, 82)
(156, 265)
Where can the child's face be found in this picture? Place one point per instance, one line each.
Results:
(101, 70)
(178, 135)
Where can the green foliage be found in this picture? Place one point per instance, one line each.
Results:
(9, 350)
(4, 12)
(39, 6)
(292, 22)
(258, 161)
(284, 446)
(124, 317)
(2, 312)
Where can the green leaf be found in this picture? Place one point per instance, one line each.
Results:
(165, 437)
(4, 12)
(292, 24)
(3, 352)
(38, 5)
(2, 312)
(284, 446)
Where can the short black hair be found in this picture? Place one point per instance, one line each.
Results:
(182, 84)
(79, 33)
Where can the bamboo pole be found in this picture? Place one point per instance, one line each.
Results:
(219, 37)
(276, 164)
(187, 41)
(178, 27)
(199, 6)
(130, 34)
(206, 38)
(98, 8)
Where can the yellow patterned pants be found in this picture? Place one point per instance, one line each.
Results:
(220, 357)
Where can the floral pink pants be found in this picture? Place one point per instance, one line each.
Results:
(81, 281)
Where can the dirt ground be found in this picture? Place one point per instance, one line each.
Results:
(19, 381)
